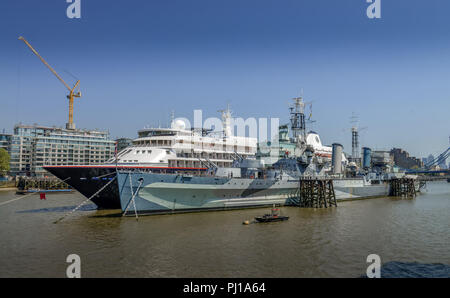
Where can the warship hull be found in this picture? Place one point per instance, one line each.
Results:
(152, 193)
(349, 189)
(162, 193)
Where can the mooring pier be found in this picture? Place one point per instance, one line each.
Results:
(314, 193)
(403, 187)
(44, 184)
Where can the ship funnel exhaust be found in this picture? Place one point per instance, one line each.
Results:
(336, 158)
(366, 162)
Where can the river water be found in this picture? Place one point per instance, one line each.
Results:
(332, 242)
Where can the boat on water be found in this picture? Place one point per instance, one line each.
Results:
(173, 150)
(274, 216)
(248, 184)
(180, 170)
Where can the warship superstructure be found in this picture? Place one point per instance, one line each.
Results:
(293, 140)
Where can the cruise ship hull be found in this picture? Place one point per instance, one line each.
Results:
(89, 179)
(159, 193)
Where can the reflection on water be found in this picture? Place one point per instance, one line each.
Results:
(87, 207)
(312, 243)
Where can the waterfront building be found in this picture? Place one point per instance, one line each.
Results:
(403, 160)
(33, 146)
(429, 159)
(443, 164)
(5, 141)
(123, 143)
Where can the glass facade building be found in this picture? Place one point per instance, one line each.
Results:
(34, 146)
(123, 143)
(5, 141)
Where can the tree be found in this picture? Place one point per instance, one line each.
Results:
(4, 162)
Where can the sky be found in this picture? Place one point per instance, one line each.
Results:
(139, 60)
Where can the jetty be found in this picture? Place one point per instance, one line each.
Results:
(314, 193)
(34, 184)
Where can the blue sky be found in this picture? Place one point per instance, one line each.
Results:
(139, 60)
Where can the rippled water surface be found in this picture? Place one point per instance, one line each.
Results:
(312, 243)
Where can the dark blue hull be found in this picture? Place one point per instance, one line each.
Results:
(89, 179)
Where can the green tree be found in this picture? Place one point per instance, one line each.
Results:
(4, 162)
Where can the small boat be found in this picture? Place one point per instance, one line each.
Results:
(274, 216)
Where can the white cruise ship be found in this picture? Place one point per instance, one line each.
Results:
(179, 147)
(159, 150)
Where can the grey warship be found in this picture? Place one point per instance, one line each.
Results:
(249, 182)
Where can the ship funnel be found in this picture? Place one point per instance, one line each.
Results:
(336, 158)
(366, 157)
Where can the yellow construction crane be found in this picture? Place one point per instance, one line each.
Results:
(72, 94)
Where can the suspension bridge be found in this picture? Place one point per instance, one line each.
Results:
(427, 169)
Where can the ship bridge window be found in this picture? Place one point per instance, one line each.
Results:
(162, 133)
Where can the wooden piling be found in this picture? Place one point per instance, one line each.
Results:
(27, 183)
(402, 187)
(314, 193)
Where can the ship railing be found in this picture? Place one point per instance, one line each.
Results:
(237, 156)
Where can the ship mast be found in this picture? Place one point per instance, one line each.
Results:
(298, 119)
(226, 122)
